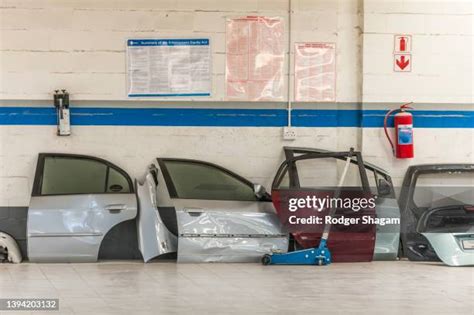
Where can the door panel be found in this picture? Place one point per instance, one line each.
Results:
(228, 249)
(73, 205)
(154, 238)
(388, 236)
(436, 202)
(227, 231)
(222, 221)
(352, 243)
(451, 249)
(313, 172)
(71, 228)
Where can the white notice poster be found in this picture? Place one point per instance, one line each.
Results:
(315, 72)
(254, 59)
(169, 67)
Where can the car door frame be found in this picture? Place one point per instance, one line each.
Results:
(387, 241)
(47, 246)
(415, 245)
(289, 165)
(264, 222)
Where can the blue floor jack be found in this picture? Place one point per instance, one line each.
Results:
(320, 255)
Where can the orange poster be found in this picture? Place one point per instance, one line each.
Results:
(255, 56)
(315, 72)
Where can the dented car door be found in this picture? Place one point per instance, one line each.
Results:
(156, 224)
(219, 217)
(75, 201)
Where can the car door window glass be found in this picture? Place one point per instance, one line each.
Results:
(62, 175)
(284, 182)
(372, 177)
(193, 180)
(444, 189)
(117, 182)
(326, 172)
(66, 175)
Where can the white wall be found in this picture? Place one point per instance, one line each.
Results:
(79, 45)
(442, 51)
(442, 75)
(254, 153)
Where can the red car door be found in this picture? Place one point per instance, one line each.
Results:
(310, 173)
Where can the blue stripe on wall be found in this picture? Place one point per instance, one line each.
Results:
(424, 119)
(212, 117)
(325, 118)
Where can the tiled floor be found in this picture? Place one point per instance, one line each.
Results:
(168, 288)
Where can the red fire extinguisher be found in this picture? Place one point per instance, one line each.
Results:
(403, 123)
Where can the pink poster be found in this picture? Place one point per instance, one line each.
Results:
(255, 56)
(315, 72)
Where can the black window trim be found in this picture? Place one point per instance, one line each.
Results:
(172, 189)
(289, 166)
(38, 181)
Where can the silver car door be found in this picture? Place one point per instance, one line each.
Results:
(387, 238)
(154, 237)
(76, 200)
(219, 216)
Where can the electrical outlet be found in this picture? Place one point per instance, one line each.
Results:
(289, 133)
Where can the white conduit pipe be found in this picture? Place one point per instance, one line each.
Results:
(290, 11)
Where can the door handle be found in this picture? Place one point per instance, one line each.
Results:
(194, 212)
(115, 208)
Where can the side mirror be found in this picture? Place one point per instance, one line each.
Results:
(384, 188)
(259, 191)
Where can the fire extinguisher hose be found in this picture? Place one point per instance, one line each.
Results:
(386, 130)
